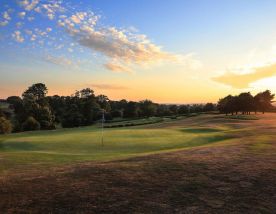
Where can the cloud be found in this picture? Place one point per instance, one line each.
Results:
(30, 18)
(4, 23)
(48, 29)
(29, 32)
(22, 15)
(6, 15)
(117, 68)
(123, 49)
(109, 87)
(33, 37)
(240, 81)
(49, 8)
(19, 24)
(59, 60)
(28, 5)
(78, 17)
(18, 37)
(5, 18)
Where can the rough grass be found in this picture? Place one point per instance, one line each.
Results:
(204, 164)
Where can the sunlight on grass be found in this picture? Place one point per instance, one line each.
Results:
(84, 144)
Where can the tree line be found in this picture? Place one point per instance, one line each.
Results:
(34, 110)
(245, 103)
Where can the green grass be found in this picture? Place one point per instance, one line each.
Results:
(51, 148)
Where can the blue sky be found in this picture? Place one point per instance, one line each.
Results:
(137, 49)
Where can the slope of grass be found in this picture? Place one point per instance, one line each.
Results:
(45, 148)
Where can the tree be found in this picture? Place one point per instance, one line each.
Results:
(148, 108)
(183, 109)
(263, 101)
(36, 91)
(116, 113)
(89, 110)
(209, 107)
(173, 109)
(72, 117)
(103, 101)
(36, 105)
(246, 102)
(226, 105)
(131, 110)
(196, 108)
(87, 92)
(45, 118)
(163, 110)
(31, 124)
(5, 126)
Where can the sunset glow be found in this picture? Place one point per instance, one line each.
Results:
(167, 51)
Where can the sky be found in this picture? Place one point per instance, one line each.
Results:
(175, 51)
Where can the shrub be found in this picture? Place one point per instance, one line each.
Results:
(31, 124)
(5, 126)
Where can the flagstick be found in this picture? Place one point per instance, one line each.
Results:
(103, 129)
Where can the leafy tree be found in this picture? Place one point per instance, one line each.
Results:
(87, 92)
(263, 101)
(116, 113)
(31, 124)
(246, 102)
(103, 101)
(209, 107)
(226, 105)
(196, 108)
(183, 109)
(36, 91)
(148, 108)
(131, 110)
(36, 105)
(72, 117)
(163, 110)
(5, 126)
(90, 110)
(173, 109)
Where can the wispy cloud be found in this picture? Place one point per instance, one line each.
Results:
(240, 81)
(117, 68)
(17, 36)
(59, 60)
(22, 15)
(121, 46)
(5, 18)
(108, 86)
(122, 49)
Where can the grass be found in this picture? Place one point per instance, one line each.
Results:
(63, 146)
(242, 117)
(203, 164)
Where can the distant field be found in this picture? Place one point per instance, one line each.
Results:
(202, 164)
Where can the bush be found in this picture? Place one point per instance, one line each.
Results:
(46, 125)
(5, 126)
(31, 124)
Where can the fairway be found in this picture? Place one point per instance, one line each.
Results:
(202, 164)
(48, 148)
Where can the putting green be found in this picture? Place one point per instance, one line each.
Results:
(46, 148)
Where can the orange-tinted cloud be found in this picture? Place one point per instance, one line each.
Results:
(117, 68)
(244, 80)
(109, 86)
